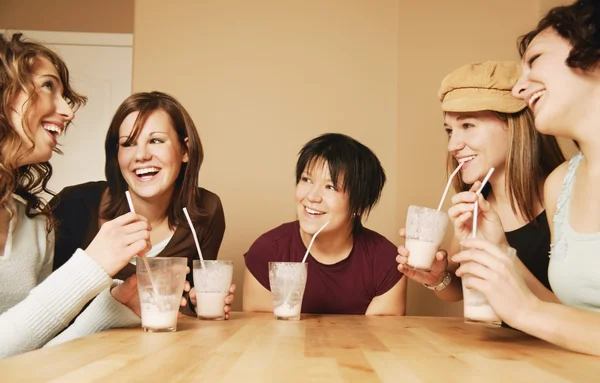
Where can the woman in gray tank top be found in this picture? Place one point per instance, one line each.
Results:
(561, 85)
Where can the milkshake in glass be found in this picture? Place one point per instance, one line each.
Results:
(212, 283)
(287, 280)
(476, 307)
(160, 291)
(425, 231)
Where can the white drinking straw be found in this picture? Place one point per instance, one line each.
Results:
(460, 164)
(313, 240)
(485, 180)
(476, 206)
(474, 230)
(130, 202)
(187, 217)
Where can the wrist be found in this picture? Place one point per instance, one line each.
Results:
(442, 283)
(191, 304)
(503, 244)
(526, 314)
(98, 260)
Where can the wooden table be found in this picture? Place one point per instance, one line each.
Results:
(324, 348)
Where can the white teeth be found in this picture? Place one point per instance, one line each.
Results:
(139, 172)
(534, 97)
(52, 128)
(465, 159)
(311, 211)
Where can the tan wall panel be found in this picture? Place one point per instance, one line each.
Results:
(260, 79)
(99, 16)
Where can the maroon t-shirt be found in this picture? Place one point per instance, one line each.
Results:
(346, 287)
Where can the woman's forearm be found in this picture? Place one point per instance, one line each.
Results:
(569, 327)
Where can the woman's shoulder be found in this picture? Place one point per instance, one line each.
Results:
(19, 208)
(557, 176)
(92, 189)
(374, 242)
(554, 184)
(74, 204)
(282, 233)
(209, 195)
(209, 201)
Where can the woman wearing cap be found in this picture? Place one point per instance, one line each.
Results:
(561, 84)
(489, 127)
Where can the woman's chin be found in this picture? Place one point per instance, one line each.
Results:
(308, 228)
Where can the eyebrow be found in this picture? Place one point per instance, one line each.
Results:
(151, 134)
(307, 173)
(54, 77)
(465, 117)
(533, 45)
(524, 56)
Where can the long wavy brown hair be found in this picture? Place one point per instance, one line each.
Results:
(531, 157)
(17, 58)
(186, 193)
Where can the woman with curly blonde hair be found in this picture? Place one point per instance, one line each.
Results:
(37, 104)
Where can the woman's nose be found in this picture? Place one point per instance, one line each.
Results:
(519, 90)
(142, 153)
(64, 109)
(455, 143)
(314, 194)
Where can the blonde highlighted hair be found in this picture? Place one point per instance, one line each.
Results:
(531, 157)
(17, 58)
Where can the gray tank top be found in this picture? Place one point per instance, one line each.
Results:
(574, 269)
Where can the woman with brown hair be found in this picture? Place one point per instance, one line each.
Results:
(153, 150)
(560, 83)
(488, 127)
(37, 104)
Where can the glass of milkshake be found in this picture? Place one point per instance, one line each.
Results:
(287, 280)
(476, 307)
(212, 282)
(425, 231)
(160, 291)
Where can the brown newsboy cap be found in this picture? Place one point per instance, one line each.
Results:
(482, 86)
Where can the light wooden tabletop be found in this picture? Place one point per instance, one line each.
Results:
(326, 348)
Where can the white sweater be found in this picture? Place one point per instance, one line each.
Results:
(36, 305)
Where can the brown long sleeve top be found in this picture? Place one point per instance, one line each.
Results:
(76, 209)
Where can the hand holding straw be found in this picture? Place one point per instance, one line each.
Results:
(476, 206)
(130, 202)
(313, 240)
(189, 220)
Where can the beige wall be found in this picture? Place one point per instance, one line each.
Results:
(262, 79)
(106, 16)
(545, 5)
